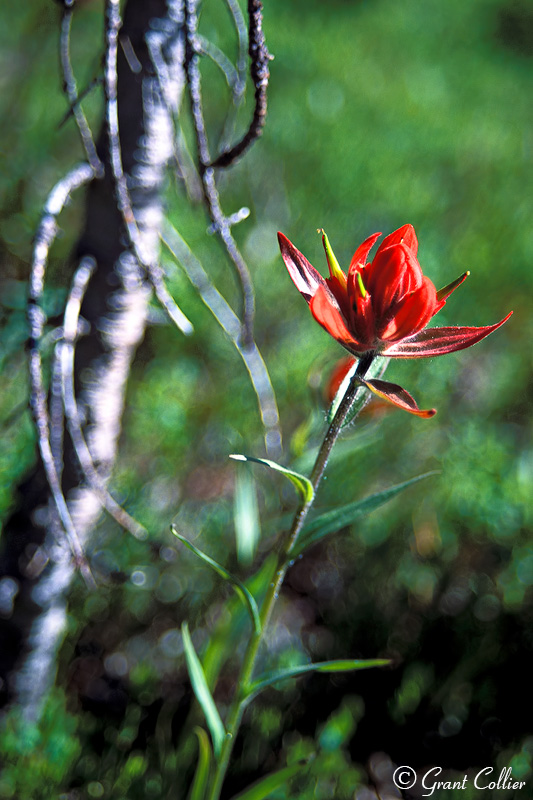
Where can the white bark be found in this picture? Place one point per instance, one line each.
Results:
(119, 330)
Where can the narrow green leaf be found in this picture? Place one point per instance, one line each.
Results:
(351, 664)
(240, 589)
(331, 521)
(343, 665)
(376, 370)
(229, 627)
(201, 690)
(246, 516)
(264, 787)
(203, 765)
(303, 484)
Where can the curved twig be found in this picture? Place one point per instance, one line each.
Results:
(242, 37)
(239, 89)
(218, 57)
(71, 90)
(184, 163)
(259, 73)
(153, 271)
(212, 198)
(56, 411)
(80, 97)
(44, 237)
(230, 323)
(67, 347)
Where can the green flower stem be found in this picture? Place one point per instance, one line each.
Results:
(239, 703)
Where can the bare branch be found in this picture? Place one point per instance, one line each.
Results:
(71, 330)
(239, 90)
(80, 98)
(56, 413)
(230, 323)
(218, 57)
(242, 37)
(44, 237)
(259, 73)
(220, 222)
(167, 301)
(154, 272)
(117, 315)
(185, 166)
(71, 91)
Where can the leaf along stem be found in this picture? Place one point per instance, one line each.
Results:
(284, 562)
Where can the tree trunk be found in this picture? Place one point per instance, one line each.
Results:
(115, 306)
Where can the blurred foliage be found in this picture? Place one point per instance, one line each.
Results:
(36, 759)
(380, 112)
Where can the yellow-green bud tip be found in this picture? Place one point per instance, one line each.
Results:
(334, 266)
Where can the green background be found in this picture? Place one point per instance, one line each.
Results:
(380, 113)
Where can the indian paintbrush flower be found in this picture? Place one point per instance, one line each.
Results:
(381, 307)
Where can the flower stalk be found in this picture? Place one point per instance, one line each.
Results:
(286, 551)
(379, 308)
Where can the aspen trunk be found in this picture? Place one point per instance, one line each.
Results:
(115, 306)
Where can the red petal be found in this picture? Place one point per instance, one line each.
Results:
(405, 235)
(327, 313)
(394, 273)
(360, 255)
(413, 276)
(340, 294)
(439, 341)
(384, 278)
(412, 314)
(363, 320)
(306, 278)
(398, 397)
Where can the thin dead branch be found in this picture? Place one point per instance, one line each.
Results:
(219, 220)
(66, 350)
(44, 238)
(241, 68)
(231, 325)
(71, 90)
(259, 73)
(153, 271)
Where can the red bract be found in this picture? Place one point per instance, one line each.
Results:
(381, 306)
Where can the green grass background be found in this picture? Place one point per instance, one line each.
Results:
(381, 112)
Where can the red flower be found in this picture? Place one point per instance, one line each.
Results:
(382, 306)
